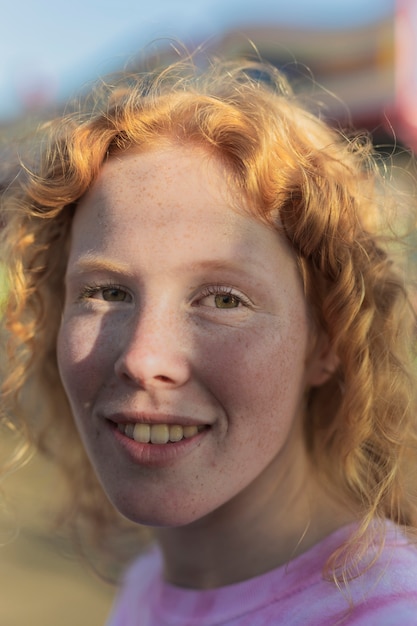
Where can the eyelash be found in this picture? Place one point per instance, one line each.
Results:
(88, 291)
(214, 290)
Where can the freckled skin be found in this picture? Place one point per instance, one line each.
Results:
(164, 218)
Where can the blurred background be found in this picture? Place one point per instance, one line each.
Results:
(362, 54)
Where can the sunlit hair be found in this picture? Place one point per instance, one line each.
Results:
(318, 188)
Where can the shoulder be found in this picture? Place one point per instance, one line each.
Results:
(386, 593)
(395, 568)
(383, 589)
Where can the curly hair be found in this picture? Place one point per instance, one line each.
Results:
(315, 185)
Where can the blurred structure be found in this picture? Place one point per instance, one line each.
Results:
(405, 108)
(349, 71)
(365, 77)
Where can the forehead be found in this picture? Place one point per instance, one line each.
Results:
(153, 175)
(173, 198)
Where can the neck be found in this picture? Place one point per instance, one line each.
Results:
(255, 532)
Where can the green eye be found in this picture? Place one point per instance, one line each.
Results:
(113, 294)
(226, 301)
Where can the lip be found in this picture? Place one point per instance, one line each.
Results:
(153, 418)
(153, 455)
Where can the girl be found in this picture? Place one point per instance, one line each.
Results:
(210, 325)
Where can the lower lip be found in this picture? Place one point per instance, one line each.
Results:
(153, 454)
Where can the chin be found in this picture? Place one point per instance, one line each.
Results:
(158, 516)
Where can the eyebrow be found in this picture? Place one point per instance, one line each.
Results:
(239, 265)
(92, 263)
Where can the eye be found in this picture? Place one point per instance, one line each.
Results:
(226, 301)
(114, 294)
(222, 297)
(107, 293)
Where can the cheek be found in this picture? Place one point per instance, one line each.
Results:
(84, 353)
(261, 376)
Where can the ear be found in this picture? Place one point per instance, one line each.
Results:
(322, 361)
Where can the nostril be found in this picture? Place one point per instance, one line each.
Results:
(164, 379)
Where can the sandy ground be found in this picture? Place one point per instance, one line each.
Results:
(40, 583)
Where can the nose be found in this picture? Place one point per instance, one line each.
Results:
(153, 353)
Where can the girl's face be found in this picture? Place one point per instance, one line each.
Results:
(184, 340)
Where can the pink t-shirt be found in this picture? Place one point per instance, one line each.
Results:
(294, 594)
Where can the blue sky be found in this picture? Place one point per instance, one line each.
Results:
(63, 43)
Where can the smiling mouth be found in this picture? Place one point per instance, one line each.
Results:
(159, 433)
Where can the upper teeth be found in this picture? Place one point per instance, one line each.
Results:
(158, 433)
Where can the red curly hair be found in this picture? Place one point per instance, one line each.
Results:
(319, 188)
